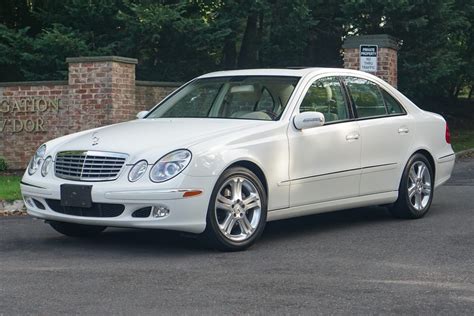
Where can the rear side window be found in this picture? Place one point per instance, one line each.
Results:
(367, 98)
(393, 107)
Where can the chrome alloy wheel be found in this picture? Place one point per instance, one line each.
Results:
(419, 185)
(238, 208)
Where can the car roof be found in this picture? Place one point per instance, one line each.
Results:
(293, 72)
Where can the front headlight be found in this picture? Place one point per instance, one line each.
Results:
(35, 162)
(137, 171)
(46, 166)
(170, 165)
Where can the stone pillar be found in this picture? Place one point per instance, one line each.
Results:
(386, 56)
(102, 91)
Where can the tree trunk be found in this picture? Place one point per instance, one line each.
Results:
(248, 56)
(229, 53)
(456, 92)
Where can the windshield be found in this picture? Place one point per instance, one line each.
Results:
(238, 97)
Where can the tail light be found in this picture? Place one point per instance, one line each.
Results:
(447, 134)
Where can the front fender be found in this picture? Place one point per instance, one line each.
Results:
(269, 152)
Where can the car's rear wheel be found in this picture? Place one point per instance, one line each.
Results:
(415, 193)
(76, 230)
(237, 210)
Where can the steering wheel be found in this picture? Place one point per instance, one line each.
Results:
(272, 115)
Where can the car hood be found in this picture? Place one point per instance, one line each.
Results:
(151, 138)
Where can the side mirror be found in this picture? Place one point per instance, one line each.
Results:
(142, 114)
(308, 120)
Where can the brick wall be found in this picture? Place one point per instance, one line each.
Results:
(28, 125)
(105, 89)
(387, 59)
(386, 66)
(148, 93)
(99, 91)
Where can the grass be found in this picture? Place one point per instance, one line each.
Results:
(460, 118)
(10, 188)
(462, 139)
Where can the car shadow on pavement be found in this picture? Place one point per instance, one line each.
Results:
(154, 242)
(137, 241)
(331, 221)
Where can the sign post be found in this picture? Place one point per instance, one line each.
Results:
(368, 58)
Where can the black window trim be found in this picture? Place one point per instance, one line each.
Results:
(347, 98)
(354, 109)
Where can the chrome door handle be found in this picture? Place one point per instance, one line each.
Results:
(403, 130)
(353, 136)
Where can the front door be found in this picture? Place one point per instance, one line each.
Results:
(325, 160)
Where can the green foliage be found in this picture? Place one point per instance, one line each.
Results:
(49, 51)
(172, 42)
(12, 44)
(178, 39)
(3, 164)
(10, 188)
(433, 34)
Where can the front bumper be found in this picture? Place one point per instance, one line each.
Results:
(187, 214)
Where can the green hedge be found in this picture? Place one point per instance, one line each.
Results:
(3, 164)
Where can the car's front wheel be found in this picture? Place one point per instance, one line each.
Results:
(237, 210)
(76, 230)
(416, 189)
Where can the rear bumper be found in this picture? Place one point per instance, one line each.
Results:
(187, 214)
(444, 168)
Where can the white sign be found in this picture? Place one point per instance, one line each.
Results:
(368, 58)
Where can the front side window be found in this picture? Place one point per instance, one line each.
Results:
(326, 96)
(238, 97)
(367, 98)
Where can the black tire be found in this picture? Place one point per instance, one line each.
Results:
(76, 230)
(403, 207)
(213, 234)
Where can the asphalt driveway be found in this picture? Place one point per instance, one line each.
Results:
(359, 261)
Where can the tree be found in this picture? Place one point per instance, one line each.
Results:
(431, 32)
(178, 39)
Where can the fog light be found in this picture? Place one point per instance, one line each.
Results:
(160, 211)
(29, 201)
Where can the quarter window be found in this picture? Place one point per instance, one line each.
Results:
(367, 98)
(393, 107)
(326, 96)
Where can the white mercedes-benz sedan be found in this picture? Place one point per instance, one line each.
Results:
(231, 150)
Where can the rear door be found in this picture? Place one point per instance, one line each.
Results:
(384, 133)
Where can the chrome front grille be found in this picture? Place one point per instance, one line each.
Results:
(89, 165)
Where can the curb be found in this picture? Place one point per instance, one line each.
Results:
(15, 208)
(465, 153)
(13, 213)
